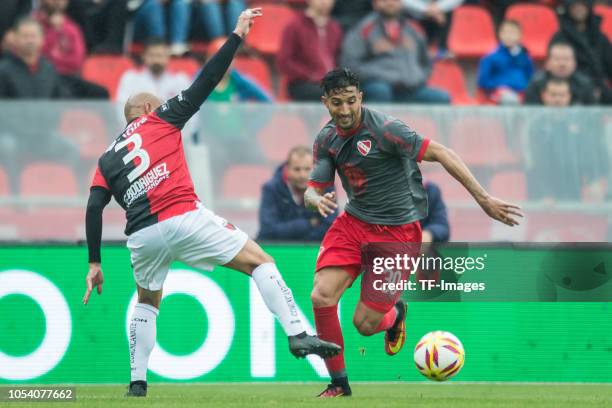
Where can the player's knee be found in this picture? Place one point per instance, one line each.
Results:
(322, 297)
(365, 327)
(149, 300)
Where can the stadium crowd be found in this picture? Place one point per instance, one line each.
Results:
(407, 51)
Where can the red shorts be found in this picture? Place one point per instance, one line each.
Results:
(343, 243)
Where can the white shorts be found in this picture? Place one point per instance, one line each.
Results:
(198, 238)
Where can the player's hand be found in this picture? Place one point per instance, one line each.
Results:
(245, 21)
(501, 211)
(94, 278)
(327, 204)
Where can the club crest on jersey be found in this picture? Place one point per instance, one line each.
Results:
(364, 147)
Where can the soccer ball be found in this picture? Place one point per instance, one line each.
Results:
(439, 355)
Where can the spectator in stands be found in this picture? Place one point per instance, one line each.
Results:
(561, 63)
(10, 12)
(211, 13)
(435, 226)
(390, 57)
(570, 159)
(435, 17)
(25, 74)
(154, 76)
(580, 27)
(282, 214)
(349, 12)
(504, 73)
(309, 48)
(64, 45)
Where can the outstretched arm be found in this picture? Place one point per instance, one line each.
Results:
(181, 108)
(495, 208)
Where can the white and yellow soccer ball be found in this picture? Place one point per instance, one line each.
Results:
(439, 355)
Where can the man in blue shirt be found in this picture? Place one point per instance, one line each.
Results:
(282, 214)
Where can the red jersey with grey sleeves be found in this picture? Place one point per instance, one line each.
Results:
(377, 164)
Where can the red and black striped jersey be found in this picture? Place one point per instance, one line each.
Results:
(145, 167)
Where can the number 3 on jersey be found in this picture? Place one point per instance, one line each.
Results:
(137, 151)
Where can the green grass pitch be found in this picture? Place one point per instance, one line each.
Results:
(448, 395)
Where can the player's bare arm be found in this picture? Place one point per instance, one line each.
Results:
(318, 200)
(494, 207)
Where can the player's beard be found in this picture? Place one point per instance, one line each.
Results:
(346, 122)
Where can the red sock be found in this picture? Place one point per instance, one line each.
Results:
(387, 320)
(328, 329)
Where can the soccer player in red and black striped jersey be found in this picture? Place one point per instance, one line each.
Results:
(144, 169)
(376, 157)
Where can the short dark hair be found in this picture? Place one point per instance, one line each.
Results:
(560, 43)
(154, 42)
(339, 78)
(556, 81)
(25, 21)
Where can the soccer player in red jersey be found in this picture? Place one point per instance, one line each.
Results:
(145, 170)
(376, 157)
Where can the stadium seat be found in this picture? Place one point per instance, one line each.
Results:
(87, 129)
(472, 32)
(48, 179)
(511, 184)
(5, 188)
(265, 36)
(538, 23)
(189, 66)
(280, 134)
(606, 13)
(245, 181)
(449, 76)
(481, 141)
(257, 70)
(106, 70)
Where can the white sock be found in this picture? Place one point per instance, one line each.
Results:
(278, 297)
(142, 339)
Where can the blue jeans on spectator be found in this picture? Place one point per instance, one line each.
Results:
(180, 17)
(149, 20)
(211, 16)
(381, 91)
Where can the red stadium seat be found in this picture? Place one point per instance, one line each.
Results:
(4, 183)
(48, 179)
(606, 13)
(275, 143)
(283, 90)
(188, 66)
(87, 130)
(481, 141)
(538, 23)
(257, 70)
(265, 36)
(106, 70)
(512, 185)
(449, 76)
(472, 32)
(245, 181)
